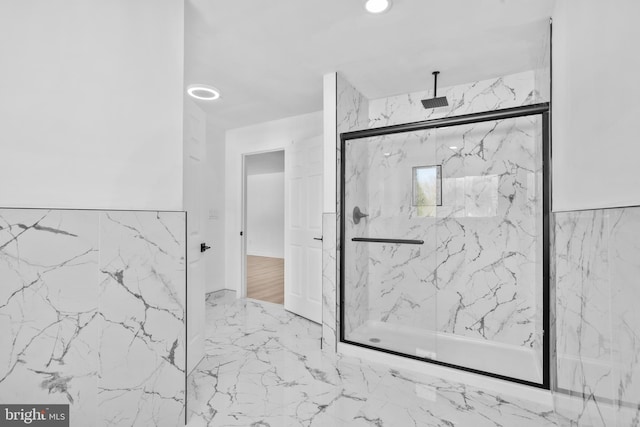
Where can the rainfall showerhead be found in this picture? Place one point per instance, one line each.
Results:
(435, 102)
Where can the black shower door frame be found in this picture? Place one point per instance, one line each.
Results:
(541, 109)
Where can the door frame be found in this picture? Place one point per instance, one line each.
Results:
(243, 214)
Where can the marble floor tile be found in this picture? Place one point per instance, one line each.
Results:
(264, 367)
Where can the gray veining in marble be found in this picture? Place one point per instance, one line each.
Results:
(542, 70)
(479, 272)
(352, 113)
(142, 296)
(92, 314)
(329, 281)
(598, 326)
(49, 314)
(487, 243)
(264, 368)
(508, 91)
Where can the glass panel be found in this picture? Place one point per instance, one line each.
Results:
(471, 294)
(489, 247)
(389, 299)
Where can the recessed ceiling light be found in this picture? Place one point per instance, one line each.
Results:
(204, 92)
(377, 6)
(453, 147)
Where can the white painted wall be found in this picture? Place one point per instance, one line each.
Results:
(91, 104)
(596, 104)
(265, 215)
(215, 212)
(269, 136)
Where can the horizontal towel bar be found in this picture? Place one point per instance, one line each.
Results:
(402, 241)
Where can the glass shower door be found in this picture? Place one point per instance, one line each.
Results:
(391, 192)
(444, 243)
(490, 247)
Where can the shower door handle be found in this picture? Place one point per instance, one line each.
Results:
(318, 238)
(377, 240)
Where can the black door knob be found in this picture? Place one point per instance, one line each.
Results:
(204, 247)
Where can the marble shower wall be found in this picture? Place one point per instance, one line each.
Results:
(489, 257)
(401, 278)
(353, 114)
(93, 308)
(542, 79)
(509, 91)
(479, 268)
(598, 321)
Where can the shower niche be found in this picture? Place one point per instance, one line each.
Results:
(446, 260)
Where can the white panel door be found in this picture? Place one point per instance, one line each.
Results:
(194, 157)
(303, 229)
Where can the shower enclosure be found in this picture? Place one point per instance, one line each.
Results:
(445, 242)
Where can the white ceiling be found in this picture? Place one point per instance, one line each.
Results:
(268, 57)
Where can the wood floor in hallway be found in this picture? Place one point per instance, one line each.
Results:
(265, 278)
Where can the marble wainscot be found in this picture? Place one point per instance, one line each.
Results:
(92, 314)
(329, 280)
(598, 321)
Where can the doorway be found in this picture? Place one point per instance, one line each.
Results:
(300, 242)
(264, 219)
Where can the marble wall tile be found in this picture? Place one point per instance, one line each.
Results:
(583, 302)
(597, 325)
(625, 317)
(142, 304)
(400, 277)
(357, 273)
(509, 91)
(48, 309)
(552, 328)
(352, 113)
(93, 306)
(352, 107)
(487, 241)
(542, 79)
(479, 272)
(329, 282)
